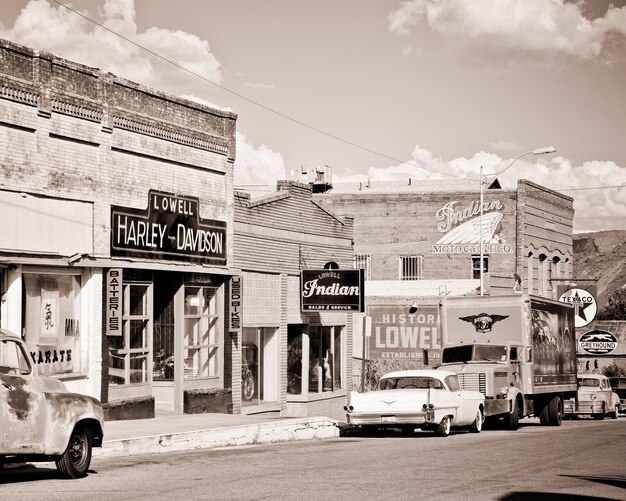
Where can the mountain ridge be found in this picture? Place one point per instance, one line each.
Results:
(601, 256)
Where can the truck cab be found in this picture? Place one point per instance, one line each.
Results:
(39, 419)
(595, 398)
(492, 369)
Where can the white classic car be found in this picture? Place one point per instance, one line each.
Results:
(39, 419)
(410, 399)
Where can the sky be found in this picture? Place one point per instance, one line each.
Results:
(379, 89)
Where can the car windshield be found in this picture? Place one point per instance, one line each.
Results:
(589, 383)
(474, 353)
(409, 382)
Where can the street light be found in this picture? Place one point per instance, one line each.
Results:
(544, 150)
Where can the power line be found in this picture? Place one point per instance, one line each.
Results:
(256, 103)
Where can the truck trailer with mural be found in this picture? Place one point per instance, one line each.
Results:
(518, 350)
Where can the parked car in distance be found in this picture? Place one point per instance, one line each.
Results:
(39, 419)
(618, 384)
(594, 398)
(410, 399)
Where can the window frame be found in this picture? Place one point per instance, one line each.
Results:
(417, 267)
(476, 265)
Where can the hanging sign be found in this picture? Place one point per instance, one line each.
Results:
(332, 290)
(170, 228)
(114, 302)
(585, 305)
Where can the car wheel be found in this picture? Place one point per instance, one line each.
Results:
(477, 425)
(443, 429)
(75, 461)
(512, 420)
(613, 415)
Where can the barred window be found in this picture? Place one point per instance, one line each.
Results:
(363, 262)
(476, 266)
(411, 267)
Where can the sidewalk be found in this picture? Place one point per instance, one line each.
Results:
(170, 433)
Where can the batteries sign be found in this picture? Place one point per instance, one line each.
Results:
(585, 305)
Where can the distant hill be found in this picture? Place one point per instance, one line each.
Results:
(601, 255)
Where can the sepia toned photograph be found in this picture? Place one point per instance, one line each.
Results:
(311, 250)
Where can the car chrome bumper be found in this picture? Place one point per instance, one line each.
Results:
(356, 419)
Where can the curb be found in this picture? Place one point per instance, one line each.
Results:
(263, 433)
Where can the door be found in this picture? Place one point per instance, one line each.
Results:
(259, 366)
(22, 402)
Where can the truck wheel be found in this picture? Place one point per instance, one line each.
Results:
(512, 420)
(543, 414)
(613, 414)
(75, 461)
(443, 428)
(555, 411)
(477, 425)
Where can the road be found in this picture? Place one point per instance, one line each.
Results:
(580, 460)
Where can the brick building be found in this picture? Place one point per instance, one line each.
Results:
(298, 359)
(117, 228)
(421, 240)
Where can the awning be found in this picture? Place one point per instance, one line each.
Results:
(87, 261)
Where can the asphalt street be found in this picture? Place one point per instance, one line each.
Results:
(580, 460)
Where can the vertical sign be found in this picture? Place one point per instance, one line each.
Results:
(49, 314)
(236, 304)
(114, 302)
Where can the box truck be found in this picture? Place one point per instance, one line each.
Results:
(518, 350)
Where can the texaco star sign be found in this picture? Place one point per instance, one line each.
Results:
(584, 303)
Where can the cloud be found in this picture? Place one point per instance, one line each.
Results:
(257, 166)
(261, 86)
(595, 209)
(64, 33)
(538, 26)
(199, 100)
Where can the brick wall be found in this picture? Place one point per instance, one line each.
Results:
(74, 132)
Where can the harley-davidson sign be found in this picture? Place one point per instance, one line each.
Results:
(170, 228)
(332, 290)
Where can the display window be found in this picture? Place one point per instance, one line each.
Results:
(202, 331)
(52, 321)
(129, 354)
(319, 350)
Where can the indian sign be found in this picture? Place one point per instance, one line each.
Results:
(170, 228)
(396, 334)
(332, 290)
(465, 229)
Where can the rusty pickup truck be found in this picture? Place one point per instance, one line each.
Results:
(39, 419)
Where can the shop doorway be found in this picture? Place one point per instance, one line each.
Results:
(259, 367)
(166, 284)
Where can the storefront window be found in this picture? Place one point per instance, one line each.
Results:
(129, 353)
(52, 322)
(201, 332)
(294, 360)
(323, 359)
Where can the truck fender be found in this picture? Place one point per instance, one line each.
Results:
(513, 395)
